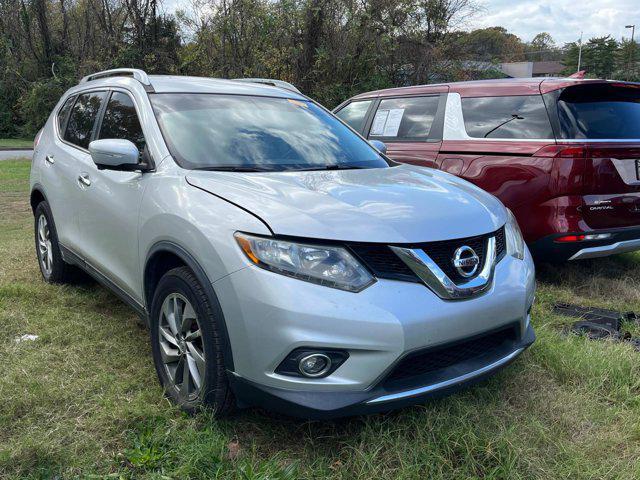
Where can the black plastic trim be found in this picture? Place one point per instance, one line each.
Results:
(73, 258)
(192, 263)
(289, 366)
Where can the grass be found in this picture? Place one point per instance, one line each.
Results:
(83, 398)
(16, 142)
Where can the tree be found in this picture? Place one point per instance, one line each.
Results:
(494, 44)
(627, 61)
(543, 48)
(598, 57)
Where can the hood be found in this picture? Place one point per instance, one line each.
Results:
(403, 204)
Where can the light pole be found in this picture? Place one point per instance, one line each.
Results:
(580, 52)
(632, 49)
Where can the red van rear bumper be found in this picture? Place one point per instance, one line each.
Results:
(584, 245)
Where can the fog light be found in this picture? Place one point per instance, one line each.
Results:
(314, 365)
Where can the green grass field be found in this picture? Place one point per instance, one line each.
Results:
(16, 142)
(83, 398)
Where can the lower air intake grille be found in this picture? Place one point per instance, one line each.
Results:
(438, 358)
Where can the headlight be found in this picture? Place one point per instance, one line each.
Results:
(326, 265)
(515, 242)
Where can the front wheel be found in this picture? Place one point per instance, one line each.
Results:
(187, 344)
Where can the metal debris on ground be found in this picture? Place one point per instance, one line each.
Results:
(599, 323)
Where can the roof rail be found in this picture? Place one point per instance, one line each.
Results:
(136, 73)
(270, 81)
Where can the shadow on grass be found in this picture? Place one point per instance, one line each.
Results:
(615, 267)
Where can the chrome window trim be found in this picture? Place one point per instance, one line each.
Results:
(439, 282)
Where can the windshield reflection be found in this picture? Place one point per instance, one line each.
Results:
(209, 131)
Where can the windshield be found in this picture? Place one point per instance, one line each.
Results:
(599, 111)
(246, 133)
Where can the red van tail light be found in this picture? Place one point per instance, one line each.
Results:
(580, 238)
(570, 238)
(561, 151)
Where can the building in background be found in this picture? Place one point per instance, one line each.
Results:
(532, 69)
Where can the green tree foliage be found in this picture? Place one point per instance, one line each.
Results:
(628, 61)
(598, 57)
(331, 49)
(543, 48)
(494, 44)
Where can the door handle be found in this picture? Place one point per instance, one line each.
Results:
(50, 159)
(84, 179)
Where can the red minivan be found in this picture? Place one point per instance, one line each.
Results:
(563, 154)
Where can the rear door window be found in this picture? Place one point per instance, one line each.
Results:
(513, 117)
(408, 118)
(120, 121)
(355, 114)
(63, 113)
(597, 111)
(83, 118)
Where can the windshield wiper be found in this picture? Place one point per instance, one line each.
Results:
(514, 116)
(334, 167)
(231, 168)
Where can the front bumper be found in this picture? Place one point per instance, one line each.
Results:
(325, 405)
(622, 240)
(269, 315)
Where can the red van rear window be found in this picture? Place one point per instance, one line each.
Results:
(599, 111)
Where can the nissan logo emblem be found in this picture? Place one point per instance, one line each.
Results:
(466, 261)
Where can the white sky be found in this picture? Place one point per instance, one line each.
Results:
(563, 19)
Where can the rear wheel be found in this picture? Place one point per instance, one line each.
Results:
(187, 344)
(52, 266)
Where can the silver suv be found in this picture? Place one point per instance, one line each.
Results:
(279, 259)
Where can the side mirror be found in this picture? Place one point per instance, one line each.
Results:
(116, 154)
(378, 145)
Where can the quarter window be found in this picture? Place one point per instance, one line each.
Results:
(521, 117)
(121, 121)
(354, 114)
(83, 118)
(404, 118)
(63, 113)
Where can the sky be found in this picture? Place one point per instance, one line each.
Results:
(563, 19)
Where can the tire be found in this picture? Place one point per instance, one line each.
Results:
(179, 350)
(52, 267)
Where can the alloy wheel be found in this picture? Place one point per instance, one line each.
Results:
(181, 346)
(44, 245)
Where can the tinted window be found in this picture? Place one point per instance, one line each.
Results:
(63, 113)
(257, 133)
(506, 117)
(404, 118)
(601, 111)
(354, 114)
(121, 120)
(82, 119)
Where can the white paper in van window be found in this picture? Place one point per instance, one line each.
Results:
(379, 122)
(393, 122)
